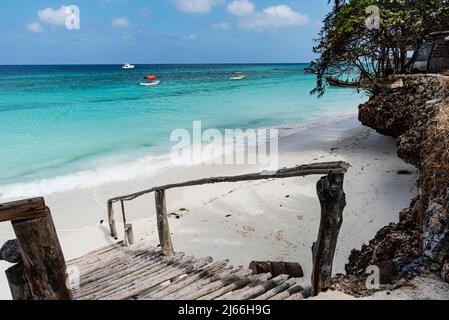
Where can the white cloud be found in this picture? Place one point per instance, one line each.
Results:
(196, 6)
(35, 27)
(121, 22)
(54, 17)
(220, 26)
(190, 37)
(50, 16)
(241, 8)
(274, 17)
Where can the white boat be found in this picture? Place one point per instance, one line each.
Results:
(128, 66)
(152, 81)
(150, 84)
(238, 76)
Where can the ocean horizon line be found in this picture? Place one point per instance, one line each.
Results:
(159, 64)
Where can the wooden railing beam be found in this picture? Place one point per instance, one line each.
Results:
(22, 210)
(324, 168)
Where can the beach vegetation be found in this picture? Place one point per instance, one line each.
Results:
(351, 45)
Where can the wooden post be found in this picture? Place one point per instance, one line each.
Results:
(129, 235)
(163, 227)
(333, 201)
(43, 260)
(18, 282)
(111, 219)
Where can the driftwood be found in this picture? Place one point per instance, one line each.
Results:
(292, 269)
(333, 201)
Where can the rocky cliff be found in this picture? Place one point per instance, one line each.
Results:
(415, 110)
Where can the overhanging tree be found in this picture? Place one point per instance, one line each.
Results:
(347, 46)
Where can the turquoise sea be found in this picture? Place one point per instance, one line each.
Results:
(61, 125)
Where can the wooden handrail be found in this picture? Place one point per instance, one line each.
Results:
(339, 167)
(323, 168)
(330, 193)
(22, 210)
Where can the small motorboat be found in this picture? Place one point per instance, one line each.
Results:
(152, 81)
(128, 66)
(238, 76)
(150, 84)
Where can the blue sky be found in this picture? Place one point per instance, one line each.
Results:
(160, 31)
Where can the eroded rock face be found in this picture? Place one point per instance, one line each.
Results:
(417, 114)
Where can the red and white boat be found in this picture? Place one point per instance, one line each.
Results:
(152, 81)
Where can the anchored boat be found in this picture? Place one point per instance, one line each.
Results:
(341, 83)
(238, 76)
(128, 66)
(152, 81)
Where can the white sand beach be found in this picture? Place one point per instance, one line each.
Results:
(262, 220)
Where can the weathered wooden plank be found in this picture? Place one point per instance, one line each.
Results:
(92, 263)
(141, 286)
(254, 280)
(163, 227)
(276, 290)
(127, 268)
(118, 262)
(115, 283)
(259, 288)
(206, 286)
(42, 258)
(22, 210)
(124, 270)
(304, 294)
(333, 201)
(179, 284)
(287, 293)
(112, 284)
(96, 255)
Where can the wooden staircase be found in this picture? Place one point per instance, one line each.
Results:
(142, 272)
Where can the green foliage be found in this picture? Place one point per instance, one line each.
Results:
(345, 44)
